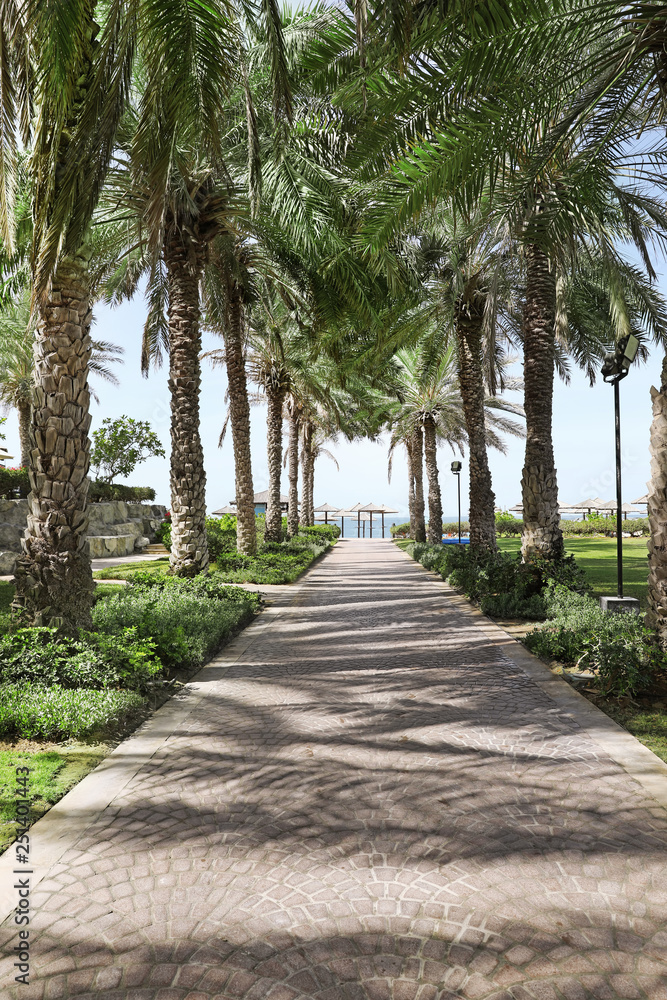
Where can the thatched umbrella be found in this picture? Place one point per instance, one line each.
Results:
(372, 508)
(353, 512)
(326, 509)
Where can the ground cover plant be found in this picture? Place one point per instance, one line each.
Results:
(55, 685)
(499, 582)
(618, 649)
(274, 563)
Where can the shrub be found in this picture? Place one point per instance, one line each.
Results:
(617, 647)
(328, 531)
(574, 528)
(99, 492)
(91, 660)
(37, 710)
(499, 582)
(184, 622)
(14, 484)
(401, 530)
(220, 536)
(506, 524)
(163, 533)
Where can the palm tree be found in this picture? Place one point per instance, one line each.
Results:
(65, 81)
(317, 430)
(270, 369)
(430, 408)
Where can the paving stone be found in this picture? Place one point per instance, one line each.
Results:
(373, 801)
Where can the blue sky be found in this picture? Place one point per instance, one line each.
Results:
(583, 435)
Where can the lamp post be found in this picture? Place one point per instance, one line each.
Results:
(456, 469)
(614, 369)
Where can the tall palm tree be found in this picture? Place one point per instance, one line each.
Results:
(65, 81)
(429, 409)
(179, 187)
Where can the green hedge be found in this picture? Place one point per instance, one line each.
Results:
(15, 485)
(35, 710)
(499, 582)
(101, 492)
(328, 531)
(618, 648)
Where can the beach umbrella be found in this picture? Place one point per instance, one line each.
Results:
(372, 508)
(352, 512)
(326, 509)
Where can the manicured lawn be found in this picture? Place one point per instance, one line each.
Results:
(648, 726)
(124, 571)
(597, 556)
(53, 772)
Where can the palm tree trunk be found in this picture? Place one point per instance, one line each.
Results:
(23, 407)
(482, 500)
(54, 583)
(434, 496)
(274, 450)
(542, 536)
(418, 473)
(189, 549)
(656, 616)
(307, 476)
(293, 473)
(411, 486)
(239, 412)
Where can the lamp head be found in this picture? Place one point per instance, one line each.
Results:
(457, 466)
(629, 347)
(617, 364)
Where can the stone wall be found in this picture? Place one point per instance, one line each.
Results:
(115, 528)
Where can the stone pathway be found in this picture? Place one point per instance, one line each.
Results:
(376, 803)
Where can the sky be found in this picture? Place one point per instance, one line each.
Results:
(583, 435)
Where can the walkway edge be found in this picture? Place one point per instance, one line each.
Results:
(58, 830)
(625, 749)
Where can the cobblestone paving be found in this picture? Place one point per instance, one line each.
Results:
(376, 805)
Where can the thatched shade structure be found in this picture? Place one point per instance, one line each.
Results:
(326, 509)
(372, 508)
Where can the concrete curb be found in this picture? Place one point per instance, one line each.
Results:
(58, 830)
(621, 746)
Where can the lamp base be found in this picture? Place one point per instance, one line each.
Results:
(627, 605)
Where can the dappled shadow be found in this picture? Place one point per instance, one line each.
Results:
(376, 803)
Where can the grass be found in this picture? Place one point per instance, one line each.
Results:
(264, 568)
(124, 571)
(53, 771)
(597, 556)
(648, 726)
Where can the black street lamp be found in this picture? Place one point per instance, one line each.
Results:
(616, 366)
(456, 469)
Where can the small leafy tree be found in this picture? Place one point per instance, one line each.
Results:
(120, 445)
